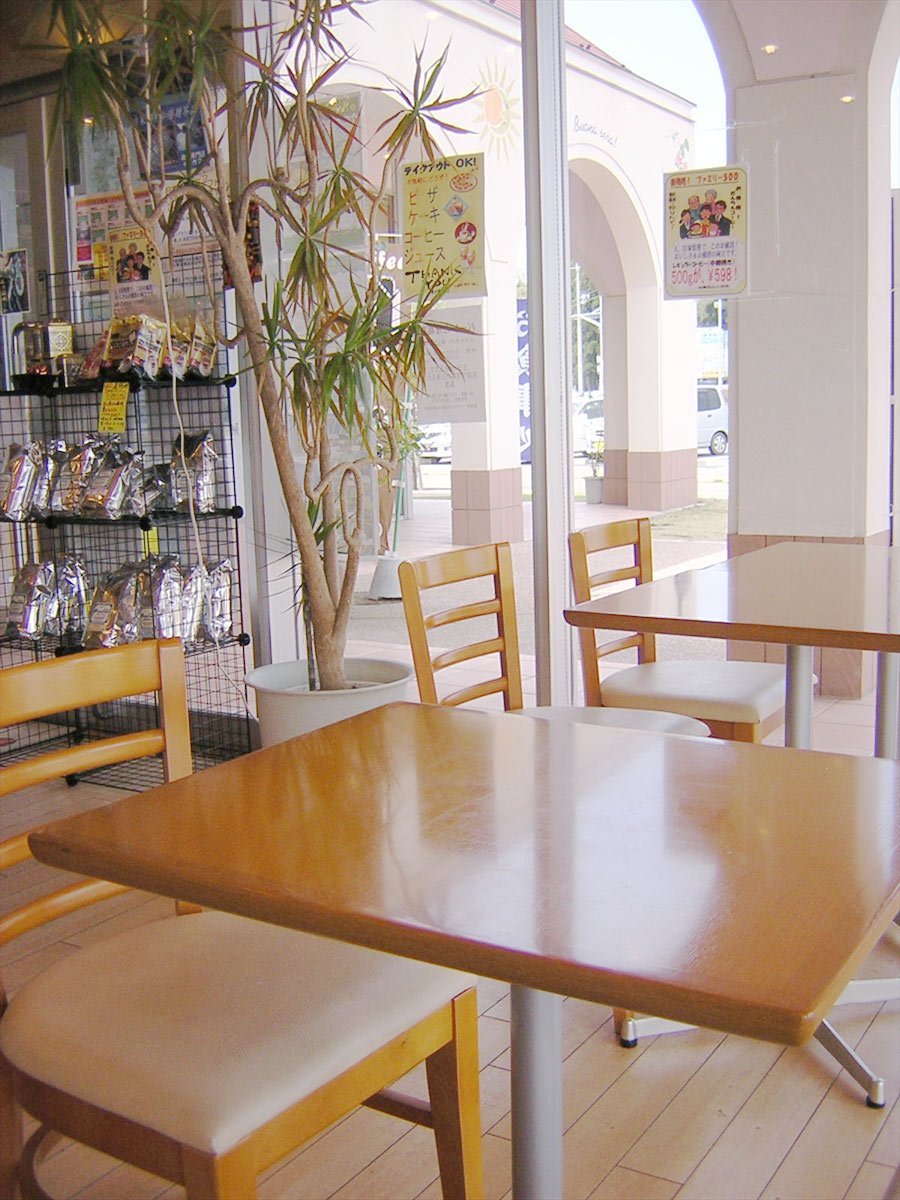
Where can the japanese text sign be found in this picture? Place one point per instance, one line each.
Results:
(706, 232)
(443, 224)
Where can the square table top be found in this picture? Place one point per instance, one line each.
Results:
(727, 885)
(797, 593)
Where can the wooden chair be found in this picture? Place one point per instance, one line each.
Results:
(499, 637)
(739, 701)
(205, 1047)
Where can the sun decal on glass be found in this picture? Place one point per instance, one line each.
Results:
(499, 117)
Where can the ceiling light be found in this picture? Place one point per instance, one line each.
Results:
(847, 99)
(770, 48)
(88, 120)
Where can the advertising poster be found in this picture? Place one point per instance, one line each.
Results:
(706, 232)
(135, 284)
(96, 217)
(457, 394)
(14, 281)
(524, 373)
(443, 224)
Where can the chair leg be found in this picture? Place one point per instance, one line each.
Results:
(212, 1177)
(453, 1088)
(625, 1027)
(11, 1136)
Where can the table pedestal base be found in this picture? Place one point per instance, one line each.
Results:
(537, 1120)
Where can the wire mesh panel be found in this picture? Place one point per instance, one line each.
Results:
(155, 555)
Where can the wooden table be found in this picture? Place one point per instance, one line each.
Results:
(801, 594)
(674, 875)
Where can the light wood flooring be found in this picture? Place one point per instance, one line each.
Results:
(694, 1115)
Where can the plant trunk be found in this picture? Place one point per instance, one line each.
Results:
(329, 619)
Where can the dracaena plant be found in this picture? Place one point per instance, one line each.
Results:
(331, 353)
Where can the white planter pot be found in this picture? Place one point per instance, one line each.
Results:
(593, 489)
(286, 708)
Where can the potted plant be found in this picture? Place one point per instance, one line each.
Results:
(332, 354)
(593, 483)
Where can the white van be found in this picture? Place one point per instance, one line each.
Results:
(712, 417)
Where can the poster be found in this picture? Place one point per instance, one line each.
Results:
(443, 224)
(179, 132)
(457, 393)
(706, 232)
(14, 281)
(252, 248)
(96, 217)
(135, 283)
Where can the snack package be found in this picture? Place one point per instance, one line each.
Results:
(157, 491)
(31, 598)
(121, 340)
(217, 602)
(149, 345)
(193, 599)
(177, 352)
(203, 345)
(67, 610)
(115, 478)
(161, 611)
(54, 456)
(19, 479)
(115, 615)
(93, 361)
(194, 472)
(74, 474)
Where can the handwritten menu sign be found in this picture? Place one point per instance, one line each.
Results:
(443, 224)
(113, 407)
(456, 394)
(706, 232)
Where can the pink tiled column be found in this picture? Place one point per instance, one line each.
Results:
(654, 480)
(847, 674)
(487, 506)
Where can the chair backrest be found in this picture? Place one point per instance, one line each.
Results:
(37, 690)
(492, 562)
(586, 547)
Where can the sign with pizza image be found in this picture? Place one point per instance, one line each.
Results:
(443, 224)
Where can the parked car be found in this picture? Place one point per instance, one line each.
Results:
(587, 423)
(436, 443)
(712, 417)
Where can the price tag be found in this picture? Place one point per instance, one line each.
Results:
(113, 408)
(151, 543)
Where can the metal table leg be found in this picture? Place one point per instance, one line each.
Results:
(536, 1082)
(887, 707)
(798, 701)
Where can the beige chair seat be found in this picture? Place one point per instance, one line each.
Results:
(747, 692)
(204, 1027)
(622, 718)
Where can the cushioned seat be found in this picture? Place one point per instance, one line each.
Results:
(748, 692)
(621, 718)
(205, 1027)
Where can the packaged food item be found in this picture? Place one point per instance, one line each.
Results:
(217, 602)
(54, 456)
(115, 613)
(19, 479)
(177, 353)
(67, 610)
(149, 345)
(93, 361)
(193, 598)
(115, 477)
(157, 492)
(32, 594)
(161, 613)
(74, 473)
(203, 345)
(194, 471)
(121, 340)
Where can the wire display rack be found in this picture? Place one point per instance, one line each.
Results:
(158, 418)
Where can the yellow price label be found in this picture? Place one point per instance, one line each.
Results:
(151, 541)
(113, 408)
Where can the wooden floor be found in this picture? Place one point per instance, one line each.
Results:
(695, 1114)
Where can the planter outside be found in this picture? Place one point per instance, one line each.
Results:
(286, 708)
(593, 489)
